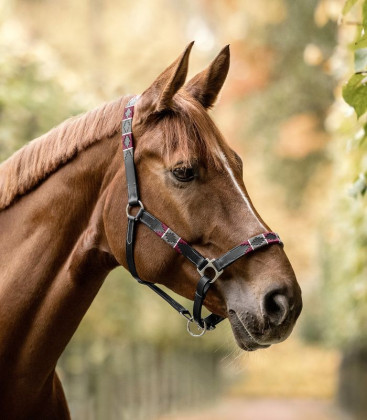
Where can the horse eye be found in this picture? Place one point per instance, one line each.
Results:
(184, 174)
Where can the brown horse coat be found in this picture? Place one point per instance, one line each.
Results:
(62, 229)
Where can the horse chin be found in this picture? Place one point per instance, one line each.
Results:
(243, 337)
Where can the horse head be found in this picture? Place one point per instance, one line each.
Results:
(192, 180)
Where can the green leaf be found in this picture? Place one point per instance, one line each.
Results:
(348, 5)
(359, 186)
(355, 93)
(361, 43)
(360, 60)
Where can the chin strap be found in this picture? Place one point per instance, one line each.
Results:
(203, 265)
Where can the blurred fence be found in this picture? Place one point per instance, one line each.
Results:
(137, 381)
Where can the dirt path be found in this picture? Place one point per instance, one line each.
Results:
(266, 409)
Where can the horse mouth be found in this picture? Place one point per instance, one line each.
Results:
(243, 337)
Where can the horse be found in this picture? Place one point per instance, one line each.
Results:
(62, 230)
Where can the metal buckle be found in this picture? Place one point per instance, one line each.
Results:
(210, 265)
(186, 314)
(138, 214)
(203, 330)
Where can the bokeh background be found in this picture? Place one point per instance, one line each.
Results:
(303, 152)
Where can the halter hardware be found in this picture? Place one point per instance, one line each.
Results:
(210, 264)
(138, 214)
(202, 330)
(204, 266)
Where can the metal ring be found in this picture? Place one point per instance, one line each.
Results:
(210, 264)
(203, 330)
(128, 207)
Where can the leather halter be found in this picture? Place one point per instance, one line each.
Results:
(176, 242)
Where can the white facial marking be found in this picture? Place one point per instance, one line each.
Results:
(238, 188)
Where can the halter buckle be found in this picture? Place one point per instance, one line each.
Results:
(210, 264)
(186, 314)
(138, 214)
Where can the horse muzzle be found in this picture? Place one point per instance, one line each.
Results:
(259, 323)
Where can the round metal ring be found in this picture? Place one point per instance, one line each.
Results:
(203, 330)
(128, 207)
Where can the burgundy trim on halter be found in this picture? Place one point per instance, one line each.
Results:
(167, 234)
(179, 245)
(175, 241)
(127, 122)
(261, 240)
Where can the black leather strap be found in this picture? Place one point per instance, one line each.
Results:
(201, 291)
(231, 256)
(177, 243)
(131, 223)
(175, 305)
(132, 184)
(212, 320)
(128, 147)
(252, 244)
(154, 224)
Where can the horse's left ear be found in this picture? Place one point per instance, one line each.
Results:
(158, 96)
(205, 86)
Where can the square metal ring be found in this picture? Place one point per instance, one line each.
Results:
(210, 265)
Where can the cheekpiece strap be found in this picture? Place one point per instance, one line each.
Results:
(128, 148)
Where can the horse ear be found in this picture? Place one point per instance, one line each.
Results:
(159, 95)
(205, 86)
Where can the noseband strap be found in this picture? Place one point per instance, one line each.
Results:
(209, 270)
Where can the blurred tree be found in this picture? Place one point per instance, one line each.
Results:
(32, 98)
(343, 248)
(295, 100)
(109, 47)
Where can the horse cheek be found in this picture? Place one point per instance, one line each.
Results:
(115, 220)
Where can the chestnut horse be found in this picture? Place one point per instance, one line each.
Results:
(62, 229)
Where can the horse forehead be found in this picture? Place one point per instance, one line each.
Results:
(182, 136)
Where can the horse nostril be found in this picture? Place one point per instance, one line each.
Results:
(276, 307)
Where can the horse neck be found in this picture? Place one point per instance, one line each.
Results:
(53, 261)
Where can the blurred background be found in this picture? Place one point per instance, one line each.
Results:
(304, 151)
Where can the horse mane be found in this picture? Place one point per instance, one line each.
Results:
(183, 129)
(33, 163)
